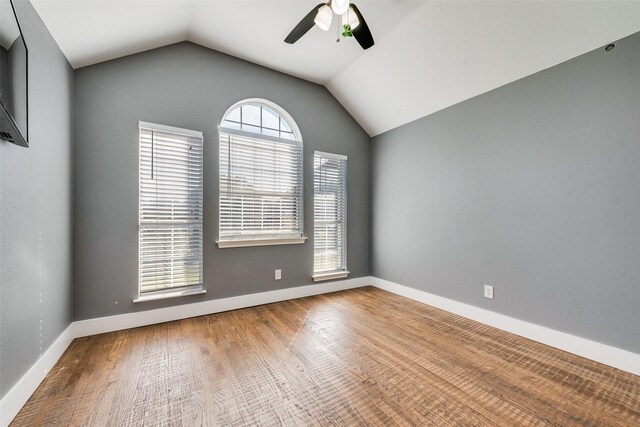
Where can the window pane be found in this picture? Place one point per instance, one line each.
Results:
(251, 115)
(285, 135)
(259, 118)
(284, 126)
(234, 115)
(252, 129)
(270, 132)
(231, 125)
(270, 119)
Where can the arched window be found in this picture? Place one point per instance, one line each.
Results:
(262, 117)
(261, 189)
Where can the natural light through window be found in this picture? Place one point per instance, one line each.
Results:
(261, 187)
(329, 216)
(170, 211)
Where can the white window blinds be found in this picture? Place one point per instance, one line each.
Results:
(329, 213)
(170, 209)
(261, 191)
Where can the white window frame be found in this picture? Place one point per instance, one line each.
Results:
(342, 272)
(236, 242)
(180, 290)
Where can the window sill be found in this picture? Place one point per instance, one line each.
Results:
(330, 276)
(259, 242)
(170, 294)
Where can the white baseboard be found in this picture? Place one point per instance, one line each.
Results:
(101, 325)
(608, 355)
(19, 394)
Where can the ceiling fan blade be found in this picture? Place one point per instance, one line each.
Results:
(303, 26)
(362, 32)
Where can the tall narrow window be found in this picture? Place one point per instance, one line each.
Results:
(261, 191)
(170, 212)
(329, 216)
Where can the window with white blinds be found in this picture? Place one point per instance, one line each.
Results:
(170, 210)
(329, 215)
(261, 189)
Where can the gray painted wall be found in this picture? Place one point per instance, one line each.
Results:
(189, 86)
(36, 211)
(533, 188)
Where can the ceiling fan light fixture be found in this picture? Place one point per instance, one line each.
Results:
(339, 6)
(323, 18)
(352, 19)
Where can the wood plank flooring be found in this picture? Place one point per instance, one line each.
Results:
(358, 357)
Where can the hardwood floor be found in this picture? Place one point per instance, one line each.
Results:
(358, 357)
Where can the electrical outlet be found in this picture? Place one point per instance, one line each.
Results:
(488, 291)
(278, 274)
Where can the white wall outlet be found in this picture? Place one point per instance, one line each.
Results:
(278, 274)
(488, 291)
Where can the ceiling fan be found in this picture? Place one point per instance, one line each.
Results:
(353, 24)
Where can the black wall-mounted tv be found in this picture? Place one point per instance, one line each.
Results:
(14, 82)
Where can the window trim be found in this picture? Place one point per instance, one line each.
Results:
(330, 155)
(178, 291)
(174, 293)
(245, 243)
(266, 241)
(170, 129)
(320, 277)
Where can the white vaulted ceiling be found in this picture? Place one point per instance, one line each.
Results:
(449, 51)
(92, 31)
(428, 54)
